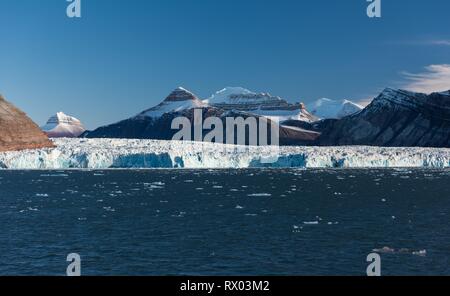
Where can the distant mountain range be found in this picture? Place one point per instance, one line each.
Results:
(394, 118)
(155, 123)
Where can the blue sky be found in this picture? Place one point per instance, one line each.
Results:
(124, 56)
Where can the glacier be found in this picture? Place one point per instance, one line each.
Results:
(77, 153)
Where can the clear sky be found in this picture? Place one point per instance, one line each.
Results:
(124, 56)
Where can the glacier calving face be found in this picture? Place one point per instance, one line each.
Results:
(124, 153)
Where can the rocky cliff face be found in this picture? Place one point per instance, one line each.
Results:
(395, 118)
(17, 131)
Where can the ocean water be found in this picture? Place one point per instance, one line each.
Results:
(225, 222)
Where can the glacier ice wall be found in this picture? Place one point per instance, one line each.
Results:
(124, 153)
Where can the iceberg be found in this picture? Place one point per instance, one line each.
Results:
(77, 153)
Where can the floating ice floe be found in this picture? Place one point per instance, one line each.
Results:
(311, 223)
(259, 195)
(388, 250)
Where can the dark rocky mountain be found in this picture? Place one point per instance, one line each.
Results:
(18, 131)
(395, 118)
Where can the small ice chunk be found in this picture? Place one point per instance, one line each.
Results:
(259, 195)
(311, 223)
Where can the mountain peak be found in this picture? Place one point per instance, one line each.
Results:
(181, 94)
(400, 97)
(179, 99)
(389, 91)
(230, 91)
(61, 117)
(262, 104)
(334, 109)
(239, 95)
(62, 125)
(180, 88)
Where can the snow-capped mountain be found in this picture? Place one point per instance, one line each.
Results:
(333, 109)
(395, 118)
(61, 125)
(155, 123)
(240, 98)
(179, 100)
(262, 104)
(18, 131)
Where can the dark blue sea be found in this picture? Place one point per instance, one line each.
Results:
(225, 222)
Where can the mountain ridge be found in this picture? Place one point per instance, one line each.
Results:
(395, 118)
(155, 123)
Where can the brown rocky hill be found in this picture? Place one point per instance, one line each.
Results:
(18, 131)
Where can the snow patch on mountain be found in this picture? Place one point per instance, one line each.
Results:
(228, 95)
(239, 95)
(122, 153)
(333, 109)
(231, 99)
(262, 104)
(61, 125)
